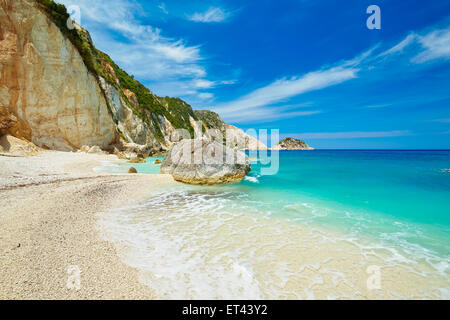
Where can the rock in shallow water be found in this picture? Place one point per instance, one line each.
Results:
(205, 162)
(132, 170)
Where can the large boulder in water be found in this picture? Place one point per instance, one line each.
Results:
(205, 162)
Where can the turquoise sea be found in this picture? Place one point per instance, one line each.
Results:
(329, 224)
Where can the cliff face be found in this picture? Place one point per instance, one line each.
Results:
(235, 137)
(131, 127)
(138, 125)
(58, 91)
(47, 95)
(291, 144)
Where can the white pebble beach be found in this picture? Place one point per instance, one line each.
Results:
(48, 223)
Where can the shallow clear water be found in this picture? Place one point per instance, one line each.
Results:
(316, 229)
(122, 166)
(381, 187)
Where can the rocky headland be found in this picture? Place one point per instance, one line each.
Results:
(291, 144)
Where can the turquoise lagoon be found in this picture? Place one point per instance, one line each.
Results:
(330, 224)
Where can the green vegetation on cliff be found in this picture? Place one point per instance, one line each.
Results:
(151, 107)
(179, 112)
(210, 119)
(58, 14)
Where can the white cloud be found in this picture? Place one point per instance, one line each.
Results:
(203, 84)
(377, 106)
(176, 68)
(207, 84)
(176, 88)
(162, 6)
(436, 45)
(191, 90)
(445, 120)
(266, 115)
(400, 46)
(356, 61)
(210, 15)
(354, 134)
(228, 82)
(429, 46)
(136, 47)
(287, 88)
(257, 103)
(205, 95)
(177, 52)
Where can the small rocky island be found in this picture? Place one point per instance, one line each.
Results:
(205, 162)
(291, 144)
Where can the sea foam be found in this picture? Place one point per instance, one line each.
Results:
(200, 243)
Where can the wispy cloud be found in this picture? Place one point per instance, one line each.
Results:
(162, 6)
(353, 134)
(258, 103)
(288, 87)
(377, 106)
(416, 100)
(266, 115)
(444, 120)
(145, 52)
(175, 67)
(206, 84)
(196, 91)
(205, 95)
(436, 45)
(203, 83)
(193, 90)
(400, 46)
(118, 28)
(425, 47)
(211, 15)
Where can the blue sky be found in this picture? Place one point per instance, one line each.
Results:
(311, 69)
